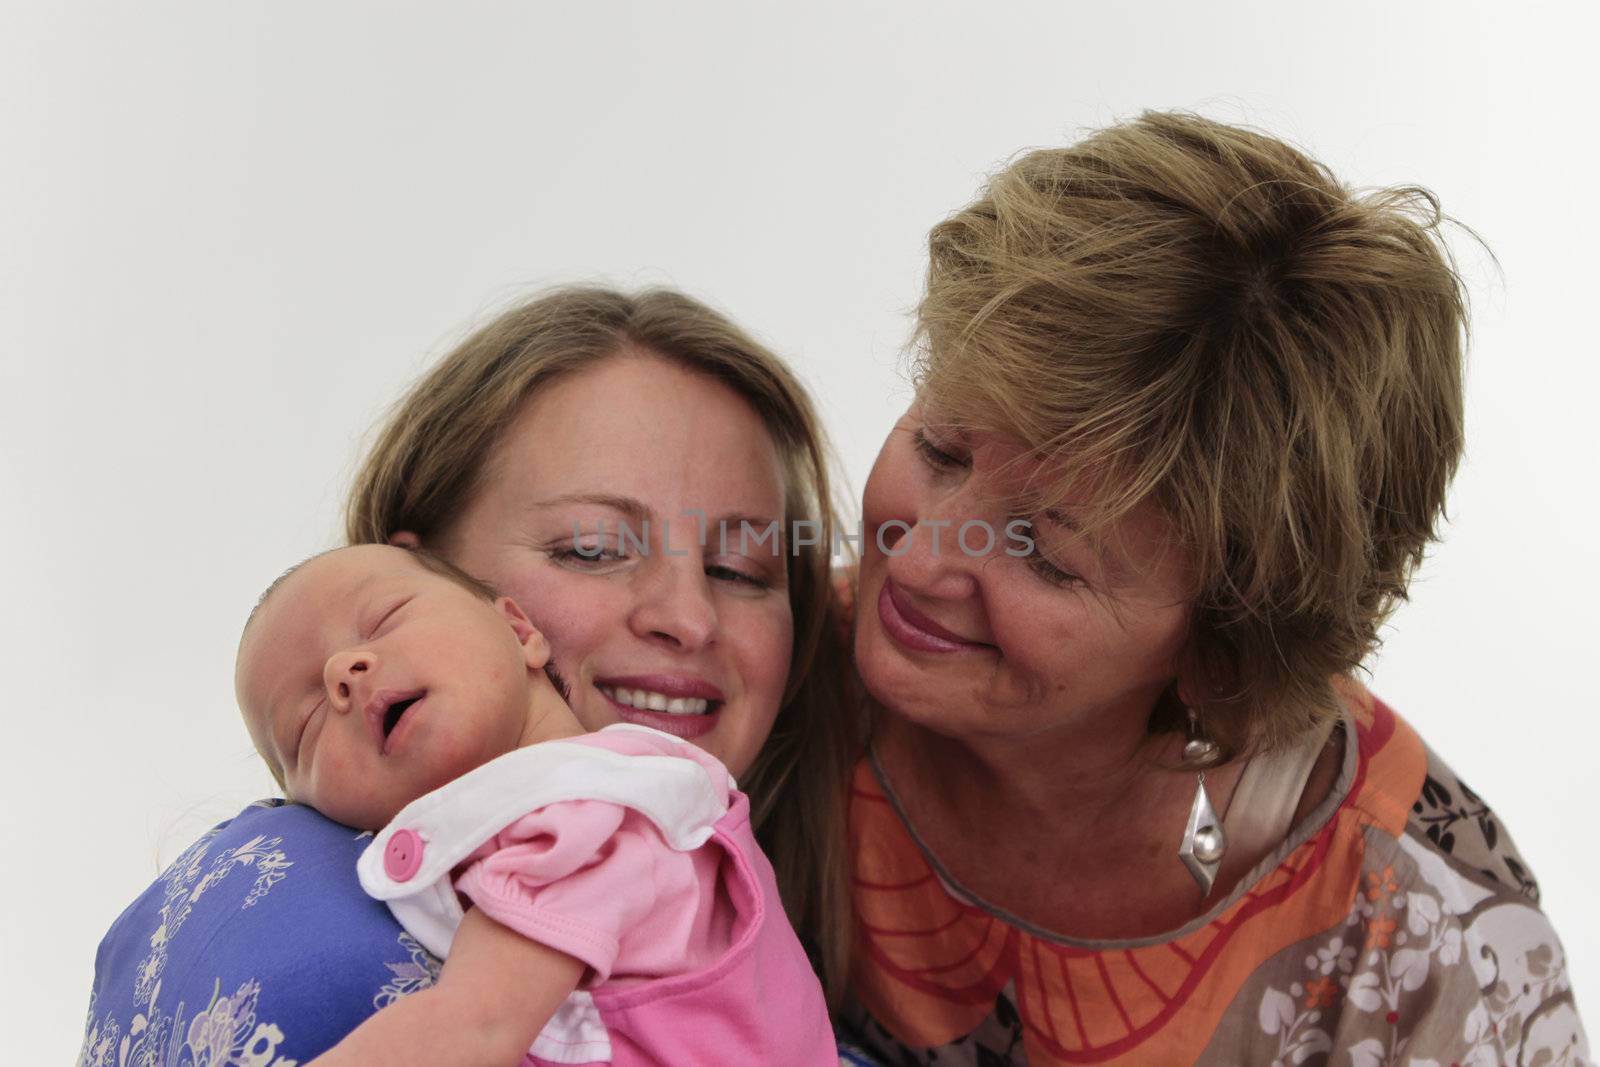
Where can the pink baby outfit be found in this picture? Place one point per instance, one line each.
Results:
(632, 851)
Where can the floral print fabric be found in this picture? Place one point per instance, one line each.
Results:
(255, 948)
(1398, 926)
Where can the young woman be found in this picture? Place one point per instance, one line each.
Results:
(518, 458)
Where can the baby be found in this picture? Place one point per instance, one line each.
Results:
(598, 898)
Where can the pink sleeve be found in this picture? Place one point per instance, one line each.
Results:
(597, 881)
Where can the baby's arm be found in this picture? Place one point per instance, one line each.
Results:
(498, 989)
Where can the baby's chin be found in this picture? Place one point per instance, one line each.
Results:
(365, 811)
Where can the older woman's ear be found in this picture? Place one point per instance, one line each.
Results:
(405, 539)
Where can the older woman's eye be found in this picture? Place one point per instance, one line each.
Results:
(1048, 571)
(934, 455)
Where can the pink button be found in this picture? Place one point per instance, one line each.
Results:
(402, 858)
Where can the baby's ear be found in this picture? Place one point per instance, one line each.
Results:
(535, 649)
(405, 539)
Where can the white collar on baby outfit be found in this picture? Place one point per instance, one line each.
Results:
(438, 830)
(408, 863)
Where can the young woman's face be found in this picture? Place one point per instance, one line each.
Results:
(686, 634)
(1003, 644)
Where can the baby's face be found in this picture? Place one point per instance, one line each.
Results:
(368, 680)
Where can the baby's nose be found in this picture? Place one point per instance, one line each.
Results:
(343, 675)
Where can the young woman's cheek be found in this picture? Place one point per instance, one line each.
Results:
(761, 634)
(584, 617)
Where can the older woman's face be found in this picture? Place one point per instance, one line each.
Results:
(685, 634)
(989, 644)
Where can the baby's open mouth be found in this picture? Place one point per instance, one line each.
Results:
(394, 712)
(386, 709)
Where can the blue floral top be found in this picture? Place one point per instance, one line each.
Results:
(256, 947)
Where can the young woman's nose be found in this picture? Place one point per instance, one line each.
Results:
(673, 603)
(347, 676)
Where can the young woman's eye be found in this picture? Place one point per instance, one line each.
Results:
(726, 573)
(935, 456)
(589, 555)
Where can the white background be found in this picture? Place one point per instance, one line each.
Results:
(231, 233)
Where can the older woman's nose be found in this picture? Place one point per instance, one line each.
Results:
(674, 603)
(347, 676)
(926, 549)
(928, 559)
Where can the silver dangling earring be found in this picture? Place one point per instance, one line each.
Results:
(1203, 841)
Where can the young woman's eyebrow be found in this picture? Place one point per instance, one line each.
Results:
(633, 510)
(723, 532)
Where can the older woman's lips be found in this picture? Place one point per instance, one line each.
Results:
(913, 629)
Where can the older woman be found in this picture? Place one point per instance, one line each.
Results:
(1123, 802)
(520, 457)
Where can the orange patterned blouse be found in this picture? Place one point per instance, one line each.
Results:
(1396, 924)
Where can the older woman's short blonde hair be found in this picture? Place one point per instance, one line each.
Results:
(431, 456)
(1201, 316)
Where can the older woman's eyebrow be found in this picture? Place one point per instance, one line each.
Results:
(1089, 539)
(1062, 519)
(1109, 562)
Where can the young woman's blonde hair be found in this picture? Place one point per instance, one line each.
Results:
(431, 456)
(1198, 315)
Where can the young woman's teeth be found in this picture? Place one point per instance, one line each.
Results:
(645, 700)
